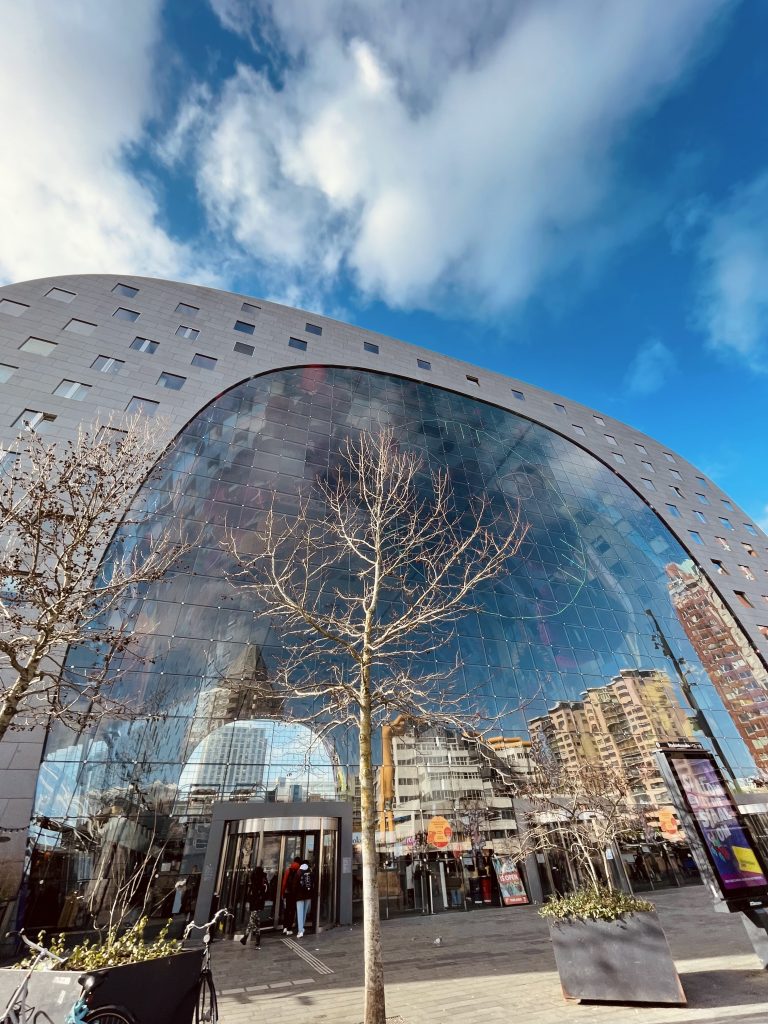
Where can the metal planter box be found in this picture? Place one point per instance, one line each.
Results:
(162, 991)
(622, 961)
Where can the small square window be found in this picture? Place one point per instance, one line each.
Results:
(727, 504)
(243, 349)
(6, 372)
(370, 346)
(187, 332)
(145, 345)
(750, 529)
(674, 511)
(719, 567)
(696, 536)
(38, 346)
(248, 307)
(702, 498)
(610, 438)
(747, 572)
(743, 599)
(107, 364)
(473, 380)
(668, 456)
(641, 448)
(126, 290)
(676, 489)
(619, 457)
(33, 419)
(649, 484)
(559, 407)
(518, 395)
(699, 515)
(206, 362)
(121, 313)
(60, 294)
(424, 364)
(675, 475)
(145, 405)
(723, 543)
(72, 389)
(297, 343)
(701, 480)
(12, 308)
(648, 466)
(726, 523)
(598, 419)
(186, 310)
(244, 328)
(172, 381)
(764, 631)
(579, 430)
(313, 329)
(80, 327)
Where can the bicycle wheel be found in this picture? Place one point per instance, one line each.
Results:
(207, 1010)
(41, 1017)
(109, 1015)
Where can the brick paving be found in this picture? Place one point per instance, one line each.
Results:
(492, 965)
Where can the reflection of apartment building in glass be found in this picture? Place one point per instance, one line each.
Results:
(731, 663)
(251, 402)
(230, 760)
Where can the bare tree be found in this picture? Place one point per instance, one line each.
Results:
(368, 577)
(60, 505)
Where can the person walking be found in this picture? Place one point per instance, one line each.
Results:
(257, 893)
(288, 894)
(304, 884)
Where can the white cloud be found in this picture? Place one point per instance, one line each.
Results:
(439, 151)
(734, 258)
(650, 368)
(78, 83)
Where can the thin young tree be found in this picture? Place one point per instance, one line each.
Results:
(368, 577)
(60, 506)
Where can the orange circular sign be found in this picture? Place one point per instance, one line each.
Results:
(439, 832)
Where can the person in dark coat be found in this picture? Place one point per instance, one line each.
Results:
(288, 893)
(304, 884)
(257, 894)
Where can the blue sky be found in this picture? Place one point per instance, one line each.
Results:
(573, 192)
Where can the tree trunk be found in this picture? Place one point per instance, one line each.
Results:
(10, 704)
(375, 1012)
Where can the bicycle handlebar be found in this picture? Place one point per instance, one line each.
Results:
(208, 925)
(40, 950)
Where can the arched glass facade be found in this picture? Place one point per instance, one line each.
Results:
(596, 634)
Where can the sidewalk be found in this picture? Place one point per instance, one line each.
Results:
(492, 966)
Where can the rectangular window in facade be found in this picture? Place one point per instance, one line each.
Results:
(60, 294)
(80, 327)
(172, 381)
(107, 364)
(143, 405)
(35, 420)
(701, 480)
(473, 380)
(750, 529)
(703, 499)
(727, 504)
(669, 456)
(675, 475)
(719, 567)
(186, 310)
(578, 429)
(723, 543)
(244, 328)
(747, 572)
(121, 313)
(519, 395)
(598, 419)
(243, 349)
(618, 457)
(674, 511)
(559, 407)
(424, 364)
(72, 389)
(187, 332)
(641, 448)
(313, 329)
(11, 308)
(38, 346)
(372, 347)
(764, 631)
(749, 549)
(726, 522)
(6, 372)
(743, 599)
(206, 362)
(248, 307)
(648, 466)
(610, 438)
(126, 290)
(649, 484)
(696, 536)
(297, 343)
(145, 345)
(700, 516)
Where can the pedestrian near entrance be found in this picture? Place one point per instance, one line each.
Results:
(257, 894)
(304, 883)
(288, 894)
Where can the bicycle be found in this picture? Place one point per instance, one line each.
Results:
(207, 1008)
(17, 1011)
(81, 1012)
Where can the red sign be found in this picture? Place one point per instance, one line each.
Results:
(439, 832)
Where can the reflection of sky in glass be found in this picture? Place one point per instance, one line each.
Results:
(572, 614)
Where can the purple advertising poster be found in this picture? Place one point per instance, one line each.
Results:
(730, 848)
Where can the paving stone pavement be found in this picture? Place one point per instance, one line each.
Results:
(493, 965)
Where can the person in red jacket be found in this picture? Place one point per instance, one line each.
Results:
(288, 894)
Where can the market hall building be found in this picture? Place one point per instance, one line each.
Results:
(636, 613)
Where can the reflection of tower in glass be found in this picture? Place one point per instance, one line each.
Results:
(230, 759)
(733, 666)
(618, 724)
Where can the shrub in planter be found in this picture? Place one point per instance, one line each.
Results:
(610, 947)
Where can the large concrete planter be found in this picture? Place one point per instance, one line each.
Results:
(162, 991)
(622, 961)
